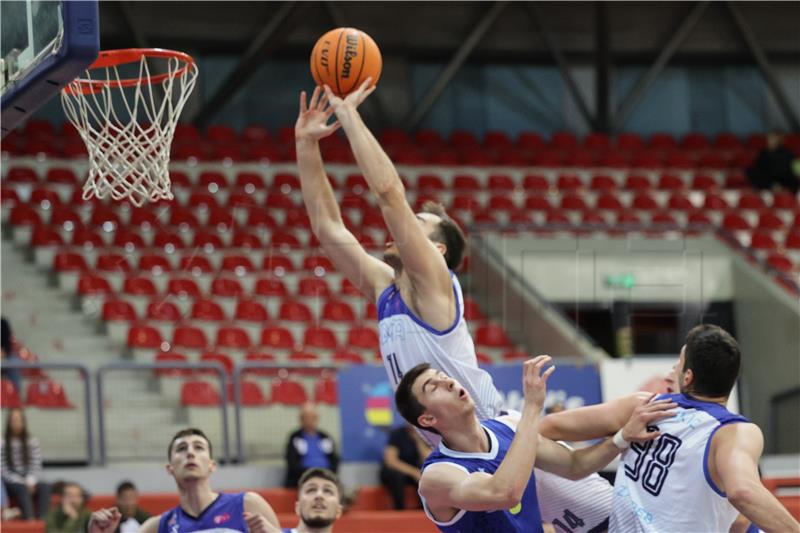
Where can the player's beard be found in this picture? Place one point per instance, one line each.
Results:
(318, 522)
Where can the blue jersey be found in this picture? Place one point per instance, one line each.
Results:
(224, 515)
(523, 518)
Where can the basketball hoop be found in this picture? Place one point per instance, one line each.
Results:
(127, 123)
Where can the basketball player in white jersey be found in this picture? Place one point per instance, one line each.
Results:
(420, 304)
(703, 471)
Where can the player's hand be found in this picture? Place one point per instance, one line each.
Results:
(257, 523)
(637, 428)
(534, 382)
(352, 100)
(104, 520)
(312, 122)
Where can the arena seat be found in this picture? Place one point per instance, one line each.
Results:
(277, 337)
(223, 359)
(189, 337)
(320, 338)
(199, 394)
(163, 310)
(493, 336)
(46, 394)
(233, 337)
(250, 394)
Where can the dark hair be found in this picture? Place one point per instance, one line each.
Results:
(186, 433)
(407, 403)
(24, 438)
(447, 233)
(713, 356)
(321, 473)
(125, 485)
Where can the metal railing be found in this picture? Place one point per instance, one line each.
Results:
(122, 366)
(9, 363)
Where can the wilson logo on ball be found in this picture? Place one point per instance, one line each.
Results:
(343, 58)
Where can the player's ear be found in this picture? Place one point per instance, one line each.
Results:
(441, 247)
(426, 420)
(297, 507)
(688, 378)
(212, 467)
(170, 470)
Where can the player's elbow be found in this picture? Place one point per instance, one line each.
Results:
(389, 193)
(741, 494)
(510, 496)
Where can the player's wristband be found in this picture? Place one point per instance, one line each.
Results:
(619, 441)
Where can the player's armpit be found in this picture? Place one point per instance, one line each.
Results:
(254, 503)
(593, 421)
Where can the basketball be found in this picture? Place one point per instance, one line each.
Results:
(343, 58)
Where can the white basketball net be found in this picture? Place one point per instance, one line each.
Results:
(128, 130)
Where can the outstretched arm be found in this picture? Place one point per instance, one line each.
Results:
(422, 261)
(369, 274)
(446, 487)
(593, 421)
(736, 450)
(259, 514)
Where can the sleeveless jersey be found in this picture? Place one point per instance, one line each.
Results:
(406, 341)
(224, 515)
(664, 485)
(523, 518)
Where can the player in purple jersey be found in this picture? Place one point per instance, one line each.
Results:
(201, 509)
(319, 502)
(479, 478)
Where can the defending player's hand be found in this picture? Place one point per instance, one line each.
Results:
(638, 428)
(257, 523)
(534, 381)
(312, 122)
(352, 100)
(104, 520)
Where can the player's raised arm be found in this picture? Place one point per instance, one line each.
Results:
(369, 274)
(421, 258)
(593, 421)
(736, 449)
(577, 464)
(444, 486)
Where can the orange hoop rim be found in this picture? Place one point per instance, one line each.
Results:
(112, 58)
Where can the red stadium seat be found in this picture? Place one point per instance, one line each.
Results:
(285, 182)
(629, 141)
(643, 201)
(86, 238)
(537, 202)
(233, 337)
(715, 202)
(680, 202)
(779, 262)
(211, 177)
(111, 262)
(297, 218)
(429, 182)
(139, 286)
(260, 357)
(637, 182)
(249, 181)
(515, 355)
(320, 337)
(171, 358)
(609, 201)
(626, 217)
(202, 198)
(181, 216)
(338, 311)
(596, 141)
(22, 175)
(102, 216)
(221, 359)
(227, 288)
(144, 337)
(472, 311)
(207, 241)
(183, 287)
(24, 215)
(501, 182)
(129, 239)
(602, 183)
(371, 311)
(245, 239)
(221, 219)
(153, 262)
(196, 264)
(501, 202)
(762, 241)
(535, 183)
(46, 236)
(293, 311)
(313, 287)
(347, 357)
(727, 141)
(314, 262)
(530, 140)
(363, 338)
(699, 217)
(695, 141)
(663, 141)
(569, 182)
(63, 216)
(47, 394)
(563, 140)
(670, 182)
(592, 217)
(118, 310)
(288, 392)
(750, 200)
(251, 311)
(768, 220)
(190, 337)
(793, 240)
(237, 263)
(785, 200)
(663, 218)
(163, 310)
(258, 217)
(492, 335)
(278, 264)
(91, 285)
(207, 310)
(348, 288)
(270, 287)
(704, 182)
(325, 392)
(199, 394)
(250, 394)
(557, 217)
(279, 200)
(573, 202)
(285, 238)
(168, 241)
(9, 396)
(466, 182)
(277, 337)
(45, 197)
(735, 222)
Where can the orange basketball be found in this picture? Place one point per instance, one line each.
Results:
(343, 58)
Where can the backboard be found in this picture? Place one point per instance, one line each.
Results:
(44, 44)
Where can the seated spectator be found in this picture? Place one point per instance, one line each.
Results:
(308, 447)
(6, 352)
(774, 166)
(22, 467)
(71, 516)
(402, 459)
(128, 505)
(8, 512)
(319, 502)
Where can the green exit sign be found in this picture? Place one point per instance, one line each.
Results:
(621, 281)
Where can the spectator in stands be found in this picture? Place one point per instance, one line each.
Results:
(308, 447)
(71, 516)
(7, 351)
(402, 460)
(22, 466)
(319, 501)
(773, 166)
(132, 517)
(8, 512)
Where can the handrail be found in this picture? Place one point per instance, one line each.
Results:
(238, 370)
(110, 367)
(87, 395)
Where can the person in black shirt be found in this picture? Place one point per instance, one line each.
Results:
(773, 166)
(402, 459)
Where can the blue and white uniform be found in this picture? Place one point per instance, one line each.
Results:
(406, 341)
(224, 515)
(664, 485)
(523, 518)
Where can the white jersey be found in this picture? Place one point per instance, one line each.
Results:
(406, 341)
(664, 485)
